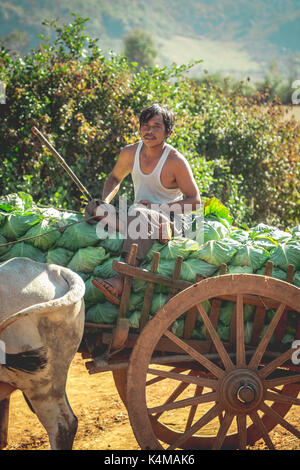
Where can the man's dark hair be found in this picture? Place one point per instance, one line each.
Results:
(163, 111)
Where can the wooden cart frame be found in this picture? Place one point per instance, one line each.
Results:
(247, 388)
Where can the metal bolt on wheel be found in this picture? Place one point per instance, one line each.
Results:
(230, 402)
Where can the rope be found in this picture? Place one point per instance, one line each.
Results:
(60, 229)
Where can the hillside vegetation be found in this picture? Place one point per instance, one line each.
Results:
(255, 33)
(87, 105)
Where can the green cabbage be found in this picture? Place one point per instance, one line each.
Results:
(213, 208)
(3, 241)
(177, 328)
(16, 225)
(158, 300)
(191, 267)
(285, 254)
(85, 260)
(113, 244)
(178, 247)
(105, 269)
(134, 319)
(297, 279)
(236, 270)
(78, 236)
(248, 329)
(106, 313)
(22, 249)
(249, 255)
(214, 230)
(276, 273)
(47, 237)
(238, 234)
(223, 332)
(60, 256)
(92, 294)
(217, 252)
(135, 301)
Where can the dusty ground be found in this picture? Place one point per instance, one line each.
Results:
(103, 420)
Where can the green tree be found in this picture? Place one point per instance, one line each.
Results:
(16, 41)
(139, 47)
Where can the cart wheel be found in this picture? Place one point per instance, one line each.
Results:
(230, 402)
(120, 379)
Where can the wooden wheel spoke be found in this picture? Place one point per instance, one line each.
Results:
(205, 398)
(242, 431)
(280, 420)
(206, 418)
(215, 338)
(159, 379)
(281, 398)
(271, 383)
(195, 355)
(178, 390)
(256, 358)
(193, 409)
(209, 383)
(225, 424)
(240, 336)
(264, 433)
(265, 371)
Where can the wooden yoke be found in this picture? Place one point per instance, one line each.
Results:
(120, 332)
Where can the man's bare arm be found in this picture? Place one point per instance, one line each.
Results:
(187, 184)
(120, 171)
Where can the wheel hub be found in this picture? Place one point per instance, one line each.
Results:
(246, 394)
(241, 390)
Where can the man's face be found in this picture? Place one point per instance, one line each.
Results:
(153, 132)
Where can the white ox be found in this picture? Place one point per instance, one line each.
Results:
(41, 327)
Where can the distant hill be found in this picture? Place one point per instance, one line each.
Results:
(233, 36)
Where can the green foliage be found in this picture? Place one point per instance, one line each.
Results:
(139, 47)
(87, 105)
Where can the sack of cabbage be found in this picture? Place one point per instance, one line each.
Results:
(50, 235)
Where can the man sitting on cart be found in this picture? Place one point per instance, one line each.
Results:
(164, 190)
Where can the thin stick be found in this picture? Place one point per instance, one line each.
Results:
(62, 162)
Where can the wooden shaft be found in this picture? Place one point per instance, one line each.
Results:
(61, 161)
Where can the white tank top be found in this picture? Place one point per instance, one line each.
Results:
(149, 187)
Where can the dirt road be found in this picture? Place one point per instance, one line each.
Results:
(103, 420)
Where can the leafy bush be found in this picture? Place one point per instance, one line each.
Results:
(87, 105)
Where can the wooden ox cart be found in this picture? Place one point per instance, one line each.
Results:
(186, 393)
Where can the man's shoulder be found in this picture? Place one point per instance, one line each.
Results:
(176, 158)
(130, 148)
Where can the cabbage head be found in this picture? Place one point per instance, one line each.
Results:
(285, 254)
(217, 252)
(59, 256)
(45, 236)
(16, 225)
(105, 269)
(78, 236)
(3, 249)
(178, 247)
(134, 319)
(86, 259)
(250, 255)
(106, 313)
(22, 249)
(92, 294)
(214, 230)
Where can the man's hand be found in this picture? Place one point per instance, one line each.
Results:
(90, 210)
(146, 203)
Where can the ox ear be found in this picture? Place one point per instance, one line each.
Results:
(27, 361)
